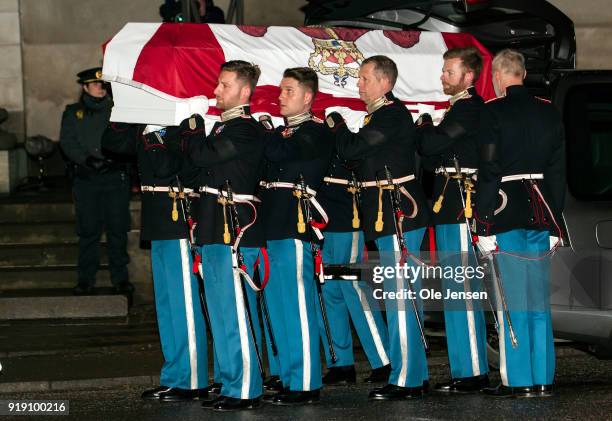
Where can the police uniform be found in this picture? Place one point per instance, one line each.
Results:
(101, 189)
(344, 244)
(167, 180)
(387, 144)
(453, 141)
(298, 155)
(231, 154)
(521, 188)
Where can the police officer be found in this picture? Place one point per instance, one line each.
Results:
(450, 147)
(167, 181)
(101, 187)
(230, 160)
(345, 301)
(386, 148)
(298, 153)
(521, 188)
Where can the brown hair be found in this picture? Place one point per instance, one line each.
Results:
(384, 65)
(305, 76)
(471, 59)
(246, 72)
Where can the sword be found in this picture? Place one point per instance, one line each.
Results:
(491, 264)
(195, 255)
(394, 197)
(316, 256)
(238, 262)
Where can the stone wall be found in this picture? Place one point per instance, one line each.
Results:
(11, 72)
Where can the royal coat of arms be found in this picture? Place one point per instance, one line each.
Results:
(334, 56)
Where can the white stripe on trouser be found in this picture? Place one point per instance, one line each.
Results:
(365, 305)
(503, 372)
(299, 263)
(242, 329)
(469, 305)
(401, 320)
(193, 350)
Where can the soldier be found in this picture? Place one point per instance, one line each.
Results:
(230, 165)
(101, 188)
(454, 141)
(165, 223)
(521, 189)
(298, 155)
(385, 147)
(344, 244)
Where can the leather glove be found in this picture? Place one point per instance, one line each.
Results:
(424, 119)
(334, 120)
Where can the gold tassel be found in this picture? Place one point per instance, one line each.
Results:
(301, 225)
(356, 221)
(378, 226)
(226, 233)
(438, 205)
(468, 198)
(174, 213)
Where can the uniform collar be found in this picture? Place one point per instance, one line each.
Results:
(238, 111)
(386, 99)
(516, 89)
(461, 95)
(296, 120)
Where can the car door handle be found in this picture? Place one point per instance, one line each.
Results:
(603, 234)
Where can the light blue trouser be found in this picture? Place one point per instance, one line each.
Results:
(344, 299)
(234, 346)
(182, 330)
(466, 332)
(291, 295)
(408, 359)
(526, 286)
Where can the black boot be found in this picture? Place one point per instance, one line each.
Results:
(210, 403)
(269, 398)
(123, 288)
(215, 388)
(464, 384)
(392, 392)
(83, 289)
(234, 404)
(543, 390)
(379, 375)
(175, 394)
(296, 397)
(340, 375)
(154, 393)
(502, 391)
(273, 384)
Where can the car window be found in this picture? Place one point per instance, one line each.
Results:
(588, 124)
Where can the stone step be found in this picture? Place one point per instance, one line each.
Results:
(42, 255)
(36, 212)
(41, 212)
(39, 233)
(47, 277)
(60, 304)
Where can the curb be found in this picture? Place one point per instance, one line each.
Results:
(62, 385)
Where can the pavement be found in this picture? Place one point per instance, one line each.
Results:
(102, 366)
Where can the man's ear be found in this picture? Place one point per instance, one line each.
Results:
(245, 92)
(308, 97)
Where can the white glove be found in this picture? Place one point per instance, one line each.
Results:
(487, 244)
(198, 105)
(152, 128)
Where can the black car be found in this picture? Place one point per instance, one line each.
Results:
(581, 271)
